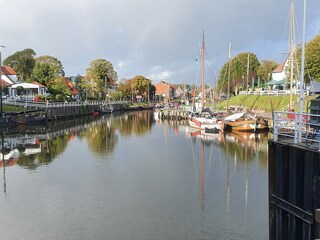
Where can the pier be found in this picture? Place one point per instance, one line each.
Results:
(63, 110)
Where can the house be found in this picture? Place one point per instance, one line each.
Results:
(280, 76)
(163, 90)
(29, 90)
(279, 73)
(8, 76)
(71, 87)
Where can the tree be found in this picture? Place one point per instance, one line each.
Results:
(47, 69)
(312, 59)
(265, 69)
(102, 72)
(20, 90)
(142, 85)
(23, 63)
(238, 72)
(125, 87)
(59, 86)
(90, 85)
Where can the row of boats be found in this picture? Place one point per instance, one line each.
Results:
(242, 122)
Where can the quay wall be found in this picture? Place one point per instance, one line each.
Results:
(294, 192)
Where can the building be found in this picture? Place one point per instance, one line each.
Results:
(164, 90)
(8, 76)
(29, 90)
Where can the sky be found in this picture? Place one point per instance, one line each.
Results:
(159, 39)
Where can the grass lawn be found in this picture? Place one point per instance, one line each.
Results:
(263, 102)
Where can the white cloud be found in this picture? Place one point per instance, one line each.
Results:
(144, 33)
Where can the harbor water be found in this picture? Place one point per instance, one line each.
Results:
(130, 177)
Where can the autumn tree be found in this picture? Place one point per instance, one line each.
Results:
(101, 71)
(142, 86)
(23, 63)
(238, 72)
(58, 86)
(125, 87)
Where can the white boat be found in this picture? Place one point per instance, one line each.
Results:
(204, 121)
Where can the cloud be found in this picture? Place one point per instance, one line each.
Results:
(142, 34)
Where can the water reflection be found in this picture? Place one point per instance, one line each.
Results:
(128, 176)
(34, 146)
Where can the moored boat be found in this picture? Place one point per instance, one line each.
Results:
(28, 119)
(245, 122)
(205, 121)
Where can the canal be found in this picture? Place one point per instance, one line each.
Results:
(129, 177)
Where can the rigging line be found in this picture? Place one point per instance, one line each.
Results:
(208, 64)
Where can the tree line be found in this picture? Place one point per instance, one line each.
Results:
(236, 74)
(100, 75)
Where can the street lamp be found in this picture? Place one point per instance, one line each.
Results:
(1, 109)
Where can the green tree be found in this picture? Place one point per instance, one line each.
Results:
(90, 86)
(238, 72)
(47, 69)
(59, 86)
(312, 59)
(142, 85)
(265, 69)
(102, 72)
(19, 90)
(23, 63)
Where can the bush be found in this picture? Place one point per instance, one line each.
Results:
(40, 97)
(59, 98)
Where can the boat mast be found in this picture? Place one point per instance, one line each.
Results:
(292, 33)
(248, 65)
(302, 66)
(228, 94)
(202, 71)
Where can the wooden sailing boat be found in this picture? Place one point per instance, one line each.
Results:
(204, 120)
(243, 121)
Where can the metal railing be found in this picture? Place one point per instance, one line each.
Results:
(296, 128)
(287, 107)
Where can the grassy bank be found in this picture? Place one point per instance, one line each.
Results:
(10, 108)
(262, 103)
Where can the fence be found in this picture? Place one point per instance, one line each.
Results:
(296, 128)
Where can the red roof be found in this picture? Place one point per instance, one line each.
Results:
(279, 68)
(71, 86)
(4, 83)
(7, 70)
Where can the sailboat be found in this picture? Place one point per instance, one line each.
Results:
(205, 119)
(243, 121)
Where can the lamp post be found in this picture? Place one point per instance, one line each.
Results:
(1, 109)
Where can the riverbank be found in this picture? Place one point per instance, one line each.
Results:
(263, 103)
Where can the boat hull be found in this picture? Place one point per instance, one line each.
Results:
(247, 126)
(193, 122)
(28, 119)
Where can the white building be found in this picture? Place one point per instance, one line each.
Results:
(29, 89)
